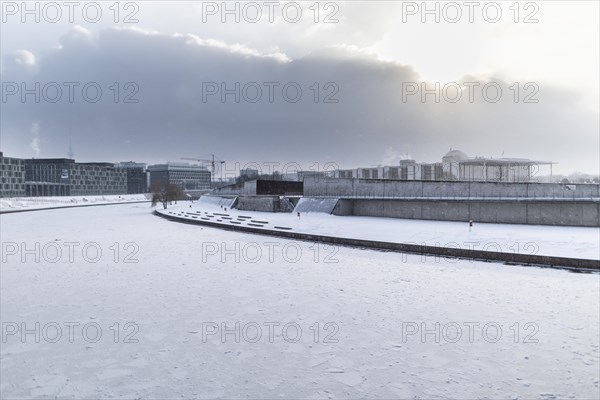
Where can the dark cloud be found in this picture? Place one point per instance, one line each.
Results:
(369, 122)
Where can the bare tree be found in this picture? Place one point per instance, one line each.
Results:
(166, 193)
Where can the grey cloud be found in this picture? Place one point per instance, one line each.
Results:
(369, 122)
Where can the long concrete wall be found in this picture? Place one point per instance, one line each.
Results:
(535, 212)
(345, 187)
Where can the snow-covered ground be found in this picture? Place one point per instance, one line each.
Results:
(190, 284)
(576, 242)
(20, 203)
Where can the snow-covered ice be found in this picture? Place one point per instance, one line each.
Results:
(20, 203)
(363, 301)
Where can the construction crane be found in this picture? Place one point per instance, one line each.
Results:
(212, 162)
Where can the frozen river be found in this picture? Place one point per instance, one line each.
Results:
(114, 302)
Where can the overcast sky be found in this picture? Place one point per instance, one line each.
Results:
(360, 66)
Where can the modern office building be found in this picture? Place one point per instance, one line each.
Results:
(65, 177)
(48, 176)
(189, 177)
(12, 177)
(137, 181)
(97, 178)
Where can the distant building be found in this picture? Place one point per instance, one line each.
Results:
(432, 172)
(189, 177)
(410, 170)
(300, 175)
(97, 178)
(458, 166)
(220, 182)
(451, 164)
(12, 177)
(248, 173)
(48, 176)
(391, 172)
(345, 173)
(137, 181)
(455, 166)
(65, 177)
(370, 173)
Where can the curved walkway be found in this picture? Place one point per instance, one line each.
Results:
(223, 220)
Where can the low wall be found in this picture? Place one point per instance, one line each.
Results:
(535, 212)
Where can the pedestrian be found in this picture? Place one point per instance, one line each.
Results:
(470, 224)
(298, 215)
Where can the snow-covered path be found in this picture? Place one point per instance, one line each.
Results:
(560, 241)
(367, 305)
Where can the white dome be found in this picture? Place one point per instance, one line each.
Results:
(455, 155)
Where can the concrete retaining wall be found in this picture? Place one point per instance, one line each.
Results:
(320, 205)
(263, 204)
(223, 201)
(342, 187)
(535, 212)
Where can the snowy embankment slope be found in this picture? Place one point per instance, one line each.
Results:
(575, 242)
(26, 203)
(547, 348)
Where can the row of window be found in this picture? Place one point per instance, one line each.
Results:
(16, 168)
(83, 180)
(13, 186)
(189, 176)
(10, 161)
(11, 180)
(98, 173)
(16, 173)
(96, 187)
